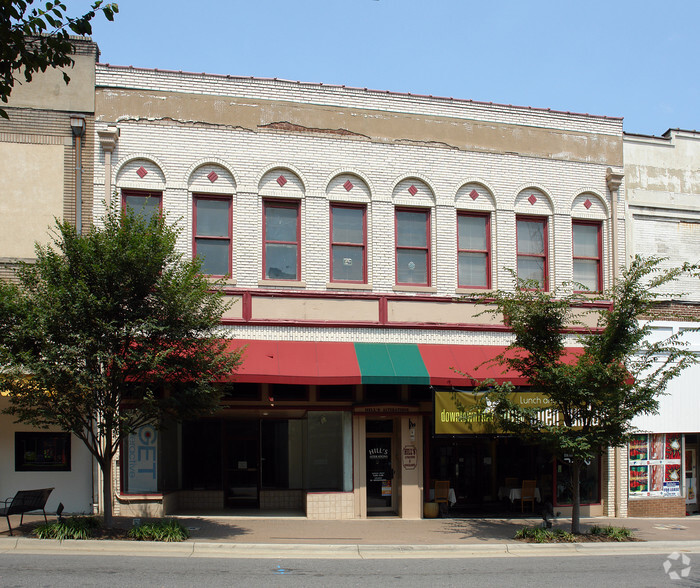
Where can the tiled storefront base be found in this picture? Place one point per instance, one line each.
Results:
(656, 507)
(281, 500)
(330, 506)
(195, 499)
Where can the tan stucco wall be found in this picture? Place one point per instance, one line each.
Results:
(48, 90)
(31, 185)
(383, 126)
(315, 309)
(439, 312)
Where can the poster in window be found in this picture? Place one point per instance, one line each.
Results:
(639, 479)
(673, 447)
(142, 462)
(657, 479)
(657, 447)
(673, 473)
(639, 452)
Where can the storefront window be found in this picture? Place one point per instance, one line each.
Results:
(42, 452)
(655, 465)
(329, 454)
(589, 482)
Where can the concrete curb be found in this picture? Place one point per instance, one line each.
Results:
(353, 551)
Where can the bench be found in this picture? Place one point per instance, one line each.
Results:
(25, 501)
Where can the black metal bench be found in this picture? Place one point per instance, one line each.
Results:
(25, 501)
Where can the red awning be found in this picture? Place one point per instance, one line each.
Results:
(332, 363)
(297, 362)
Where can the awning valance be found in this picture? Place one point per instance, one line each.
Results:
(336, 363)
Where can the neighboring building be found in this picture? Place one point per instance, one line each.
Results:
(41, 161)
(662, 179)
(348, 223)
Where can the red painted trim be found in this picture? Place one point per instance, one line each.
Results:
(487, 217)
(426, 249)
(271, 203)
(332, 242)
(545, 232)
(599, 258)
(222, 198)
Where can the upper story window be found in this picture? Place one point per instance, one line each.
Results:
(532, 250)
(413, 247)
(474, 250)
(143, 202)
(281, 243)
(348, 243)
(211, 233)
(587, 254)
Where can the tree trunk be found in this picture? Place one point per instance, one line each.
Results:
(107, 481)
(576, 501)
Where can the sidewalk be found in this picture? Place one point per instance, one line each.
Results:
(288, 537)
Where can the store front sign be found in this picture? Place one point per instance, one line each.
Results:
(467, 413)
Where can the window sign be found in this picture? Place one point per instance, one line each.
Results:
(142, 475)
(655, 465)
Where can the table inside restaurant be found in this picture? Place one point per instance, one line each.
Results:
(514, 493)
(451, 496)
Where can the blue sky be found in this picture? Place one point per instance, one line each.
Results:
(634, 59)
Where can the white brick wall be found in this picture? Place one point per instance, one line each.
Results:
(179, 157)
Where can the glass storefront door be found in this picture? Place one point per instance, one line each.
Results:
(380, 475)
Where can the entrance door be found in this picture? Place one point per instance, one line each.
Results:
(380, 475)
(241, 458)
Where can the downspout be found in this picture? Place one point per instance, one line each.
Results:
(77, 125)
(614, 180)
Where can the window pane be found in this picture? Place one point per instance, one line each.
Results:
(472, 232)
(472, 269)
(585, 241)
(280, 224)
(531, 237)
(412, 267)
(215, 255)
(586, 273)
(531, 268)
(347, 263)
(411, 229)
(280, 262)
(145, 205)
(212, 217)
(348, 226)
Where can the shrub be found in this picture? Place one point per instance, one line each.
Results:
(541, 535)
(71, 528)
(170, 530)
(612, 533)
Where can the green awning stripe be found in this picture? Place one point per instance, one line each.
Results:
(391, 363)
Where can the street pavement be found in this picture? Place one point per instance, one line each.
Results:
(373, 538)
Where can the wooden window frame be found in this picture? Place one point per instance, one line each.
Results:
(544, 221)
(598, 259)
(398, 247)
(487, 251)
(195, 198)
(334, 206)
(294, 204)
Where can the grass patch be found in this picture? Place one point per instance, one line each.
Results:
(170, 530)
(540, 535)
(612, 533)
(70, 528)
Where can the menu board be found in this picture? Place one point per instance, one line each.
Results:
(655, 465)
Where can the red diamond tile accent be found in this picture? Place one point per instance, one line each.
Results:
(348, 185)
(213, 176)
(281, 181)
(587, 204)
(474, 194)
(142, 171)
(532, 199)
(412, 190)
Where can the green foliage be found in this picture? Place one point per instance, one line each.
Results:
(612, 533)
(117, 330)
(539, 534)
(36, 39)
(71, 528)
(170, 530)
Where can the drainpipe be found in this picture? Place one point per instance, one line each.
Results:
(77, 125)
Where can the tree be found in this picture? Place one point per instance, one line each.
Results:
(35, 39)
(109, 331)
(618, 375)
